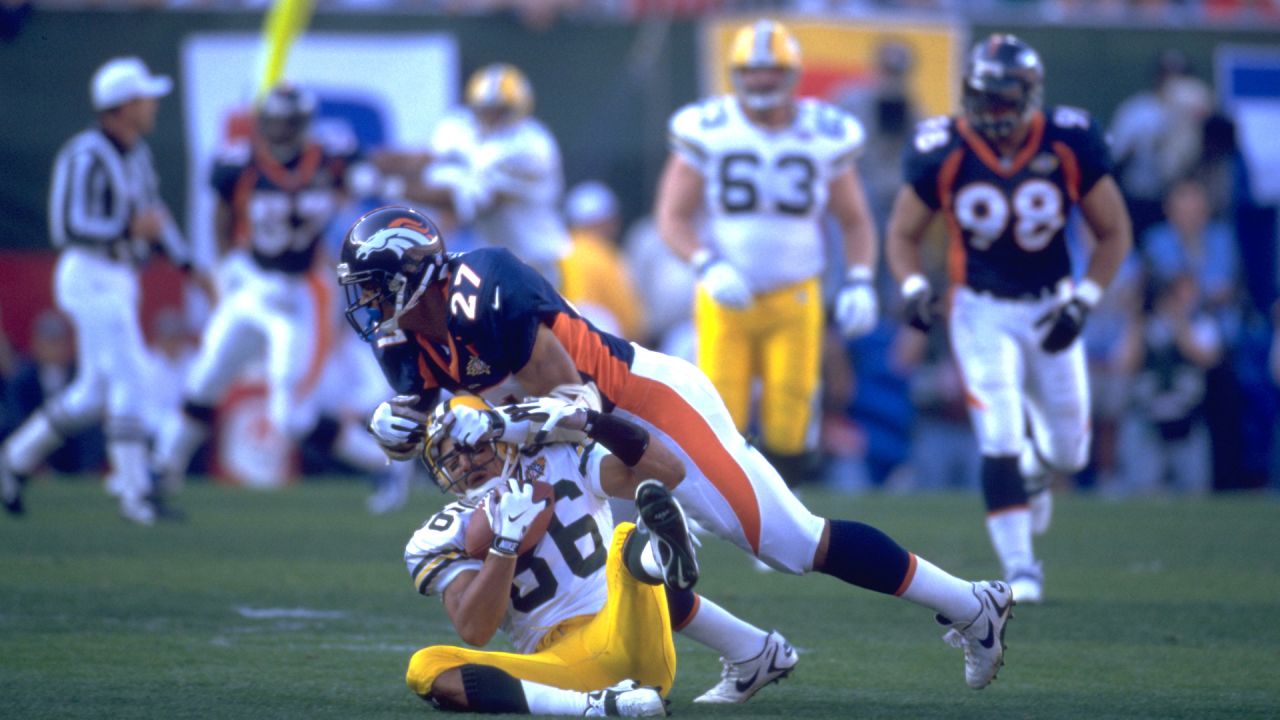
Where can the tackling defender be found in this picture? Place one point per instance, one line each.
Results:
(484, 322)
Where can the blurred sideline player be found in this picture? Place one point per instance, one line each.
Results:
(590, 626)
(748, 182)
(480, 320)
(277, 192)
(105, 215)
(596, 279)
(1005, 174)
(495, 167)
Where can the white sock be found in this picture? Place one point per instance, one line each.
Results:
(357, 448)
(129, 476)
(176, 443)
(31, 443)
(1010, 532)
(735, 639)
(547, 700)
(942, 592)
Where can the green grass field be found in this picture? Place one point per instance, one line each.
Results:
(296, 604)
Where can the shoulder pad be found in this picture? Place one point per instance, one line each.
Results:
(933, 134)
(235, 152)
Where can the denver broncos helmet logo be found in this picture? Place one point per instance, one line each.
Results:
(397, 239)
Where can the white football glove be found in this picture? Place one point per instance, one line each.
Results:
(511, 516)
(398, 427)
(544, 420)
(471, 426)
(856, 306)
(723, 282)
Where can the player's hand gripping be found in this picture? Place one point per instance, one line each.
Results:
(472, 426)
(724, 283)
(856, 306)
(398, 426)
(511, 515)
(545, 420)
(919, 304)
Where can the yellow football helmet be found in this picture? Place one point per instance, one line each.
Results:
(499, 94)
(764, 45)
(445, 467)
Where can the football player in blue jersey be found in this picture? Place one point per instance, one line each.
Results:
(485, 323)
(1005, 174)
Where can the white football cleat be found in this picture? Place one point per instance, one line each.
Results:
(137, 510)
(739, 681)
(1028, 584)
(669, 535)
(982, 638)
(626, 699)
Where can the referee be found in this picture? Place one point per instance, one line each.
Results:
(105, 215)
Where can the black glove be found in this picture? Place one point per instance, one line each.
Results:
(1065, 323)
(920, 310)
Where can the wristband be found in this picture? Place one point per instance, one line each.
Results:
(506, 547)
(701, 258)
(1089, 292)
(914, 285)
(858, 274)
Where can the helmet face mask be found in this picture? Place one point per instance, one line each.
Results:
(283, 119)
(389, 257)
(764, 65)
(1003, 86)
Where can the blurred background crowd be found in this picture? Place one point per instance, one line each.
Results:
(1184, 351)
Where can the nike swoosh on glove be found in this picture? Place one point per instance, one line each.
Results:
(1065, 322)
(398, 432)
(856, 308)
(511, 516)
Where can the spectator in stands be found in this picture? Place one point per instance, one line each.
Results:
(1156, 135)
(1191, 241)
(50, 367)
(596, 278)
(1166, 440)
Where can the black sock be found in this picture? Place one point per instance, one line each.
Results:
(680, 605)
(1002, 485)
(864, 556)
(490, 690)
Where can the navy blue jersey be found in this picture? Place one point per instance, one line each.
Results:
(496, 304)
(1006, 220)
(280, 211)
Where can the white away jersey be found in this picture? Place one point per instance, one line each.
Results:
(765, 191)
(562, 577)
(507, 182)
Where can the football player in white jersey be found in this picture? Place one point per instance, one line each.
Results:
(749, 179)
(591, 631)
(497, 168)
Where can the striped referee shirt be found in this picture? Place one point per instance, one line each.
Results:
(98, 188)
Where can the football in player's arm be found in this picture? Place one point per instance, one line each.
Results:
(482, 321)
(1005, 175)
(593, 586)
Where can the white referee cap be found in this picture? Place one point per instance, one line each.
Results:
(122, 79)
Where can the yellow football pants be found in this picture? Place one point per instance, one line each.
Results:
(778, 338)
(629, 638)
